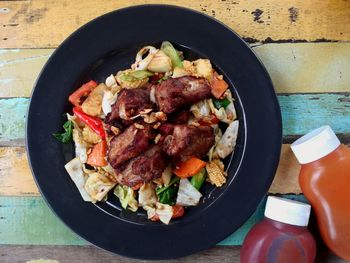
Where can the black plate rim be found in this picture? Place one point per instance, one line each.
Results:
(278, 138)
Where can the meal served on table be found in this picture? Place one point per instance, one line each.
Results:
(154, 133)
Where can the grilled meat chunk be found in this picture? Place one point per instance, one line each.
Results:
(129, 144)
(187, 140)
(129, 103)
(144, 168)
(174, 93)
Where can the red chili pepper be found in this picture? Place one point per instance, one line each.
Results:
(94, 123)
(76, 97)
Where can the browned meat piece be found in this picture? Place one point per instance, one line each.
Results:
(144, 168)
(166, 129)
(129, 144)
(174, 93)
(129, 103)
(186, 141)
(180, 118)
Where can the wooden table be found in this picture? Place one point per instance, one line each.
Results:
(303, 44)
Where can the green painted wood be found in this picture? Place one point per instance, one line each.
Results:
(29, 221)
(301, 113)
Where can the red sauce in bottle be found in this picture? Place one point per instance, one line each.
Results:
(282, 237)
(325, 181)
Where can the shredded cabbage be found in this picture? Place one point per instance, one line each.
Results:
(126, 197)
(187, 195)
(98, 185)
(108, 100)
(165, 212)
(75, 170)
(80, 144)
(147, 195)
(201, 109)
(227, 143)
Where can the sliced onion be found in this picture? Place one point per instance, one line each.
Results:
(141, 64)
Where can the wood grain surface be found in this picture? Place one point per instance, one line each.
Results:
(43, 23)
(90, 254)
(298, 67)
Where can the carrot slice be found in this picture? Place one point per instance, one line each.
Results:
(98, 154)
(218, 86)
(189, 168)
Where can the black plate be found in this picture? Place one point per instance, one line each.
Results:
(108, 44)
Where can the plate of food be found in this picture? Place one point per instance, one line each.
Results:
(171, 132)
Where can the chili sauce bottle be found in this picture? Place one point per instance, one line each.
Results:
(282, 237)
(325, 181)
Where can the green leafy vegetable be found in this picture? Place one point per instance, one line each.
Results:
(221, 103)
(172, 182)
(136, 75)
(169, 195)
(163, 78)
(171, 52)
(126, 197)
(198, 179)
(66, 136)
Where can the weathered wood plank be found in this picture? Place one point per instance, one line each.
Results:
(28, 220)
(297, 67)
(22, 220)
(15, 175)
(19, 70)
(44, 23)
(300, 112)
(307, 67)
(90, 254)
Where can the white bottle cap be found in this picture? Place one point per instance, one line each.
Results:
(315, 145)
(287, 211)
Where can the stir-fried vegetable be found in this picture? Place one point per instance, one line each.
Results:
(187, 195)
(227, 142)
(92, 105)
(216, 175)
(172, 182)
(169, 195)
(97, 157)
(147, 195)
(198, 179)
(75, 170)
(126, 197)
(160, 63)
(189, 168)
(76, 98)
(218, 86)
(171, 52)
(66, 136)
(94, 123)
(178, 211)
(163, 213)
(221, 103)
(136, 75)
(98, 185)
(167, 174)
(142, 60)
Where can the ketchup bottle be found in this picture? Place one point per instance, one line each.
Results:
(325, 181)
(282, 237)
